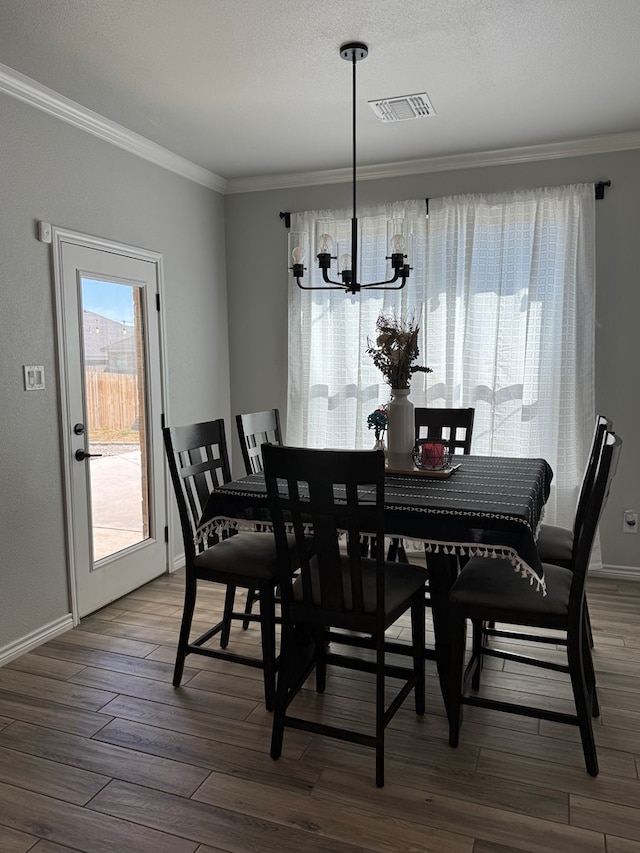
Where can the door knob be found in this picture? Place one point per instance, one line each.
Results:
(81, 454)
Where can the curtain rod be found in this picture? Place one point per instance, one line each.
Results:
(599, 187)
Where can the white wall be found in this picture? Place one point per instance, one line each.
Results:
(52, 171)
(257, 285)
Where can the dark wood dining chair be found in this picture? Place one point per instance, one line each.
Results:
(455, 426)
(491, 590)
(555, 544)
(198, 462)
(254, 430)
(324, 494)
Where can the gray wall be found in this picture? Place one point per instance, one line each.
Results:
(54, 172)
(257, 287)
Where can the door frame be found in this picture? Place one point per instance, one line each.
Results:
(59, 236)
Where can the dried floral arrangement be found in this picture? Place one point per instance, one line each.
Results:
(396, 349)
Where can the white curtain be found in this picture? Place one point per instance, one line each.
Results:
(503, 287)
(333, 384)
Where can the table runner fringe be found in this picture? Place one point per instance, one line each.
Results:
(463, 549)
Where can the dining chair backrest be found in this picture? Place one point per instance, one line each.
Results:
(453, 425)
(322, 494)
(198, 462)
(602, 427)
(594, 503)
(254, 430)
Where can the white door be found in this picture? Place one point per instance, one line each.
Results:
(109, 334)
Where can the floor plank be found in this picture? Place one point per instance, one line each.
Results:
(208, 822)
(433, 810)
(49, 777)
(94, 756)
(81, 828)
(12, 841)
(606, 817)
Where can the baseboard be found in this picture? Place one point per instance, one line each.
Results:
(35, 639)
(178, 563)
(623, 573)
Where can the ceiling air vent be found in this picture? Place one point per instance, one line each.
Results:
(403, 107)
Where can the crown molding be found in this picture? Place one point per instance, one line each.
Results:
(31, 92)
(500, 157)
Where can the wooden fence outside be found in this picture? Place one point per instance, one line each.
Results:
(112, 400)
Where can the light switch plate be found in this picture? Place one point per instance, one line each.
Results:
(33, 377)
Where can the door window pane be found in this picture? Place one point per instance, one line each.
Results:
(114, 362)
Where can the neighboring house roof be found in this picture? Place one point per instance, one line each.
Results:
(102, 336)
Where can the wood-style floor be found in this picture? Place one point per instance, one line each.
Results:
(99, 753)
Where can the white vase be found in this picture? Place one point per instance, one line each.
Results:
(400, 429)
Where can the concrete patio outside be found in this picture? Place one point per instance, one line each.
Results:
(116, 494)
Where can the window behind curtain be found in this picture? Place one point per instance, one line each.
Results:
(503, 287)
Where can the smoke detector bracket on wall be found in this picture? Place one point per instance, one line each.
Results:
(403, 107)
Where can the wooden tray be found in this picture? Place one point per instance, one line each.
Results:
(440, 474)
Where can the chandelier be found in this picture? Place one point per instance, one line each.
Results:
(347, 260)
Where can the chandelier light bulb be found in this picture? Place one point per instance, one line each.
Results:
(345, 262)
(397, 243)
(325, 244)
(298, 255)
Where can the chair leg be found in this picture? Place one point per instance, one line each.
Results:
(321, 660)
(392, 553)
(380, 684)
(588, 624)
(418, 640)
(226, 616)
(248, 607)
(185, 630)
(458, 637)
(268, 633)
(282, 689)
(295, 663)
(589, 671)
(584, 705)
(476, 651)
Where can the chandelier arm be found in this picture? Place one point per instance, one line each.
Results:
(334, 285)
(327, 280)
(402, 273)
(381, 285)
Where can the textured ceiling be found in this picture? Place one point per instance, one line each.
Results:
(256, 87)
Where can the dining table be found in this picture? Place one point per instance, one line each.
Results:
(487, 506)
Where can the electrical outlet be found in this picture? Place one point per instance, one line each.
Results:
(629, 521)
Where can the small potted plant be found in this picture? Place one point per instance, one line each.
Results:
(377, 421)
